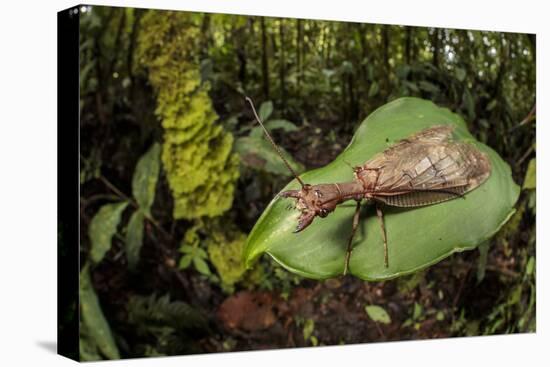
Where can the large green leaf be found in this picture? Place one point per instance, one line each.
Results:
(102, 228)
(145, 178)
(98, 332)
(417, 237)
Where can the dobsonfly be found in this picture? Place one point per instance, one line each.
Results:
(425, 168)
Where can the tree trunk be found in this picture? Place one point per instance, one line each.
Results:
(408, 41)
(504, 55)
(414, 45)
(282, 63)
(240, 46)
(265, 64)
(386, 57)
(298, 52)
(132, 43)
(435, 43)
(329, 50)
(533, 44)
(362, 34)
(385, 47)
(351, 77)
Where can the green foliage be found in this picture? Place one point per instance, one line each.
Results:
(224, 245)
(319, 251)
(192, 252)
(134, 238)
(265, 110)
(196, 153)
(96, 339)
(90, 168)
(271, 125)
(102, 228)
(418, 315)
(147, 311)
(285, 125)
(514, 311)
(378, 314)
(512, 225)
(169, 327)
(225, 249)
(319, 80)
(309, 327)
(103, 225)
(482, 261)
(145, 178)
(408, 283)
(144, 183)
(257, 153)
(530, 181)
(418, 311)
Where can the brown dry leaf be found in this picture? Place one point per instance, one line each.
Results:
(250, 311)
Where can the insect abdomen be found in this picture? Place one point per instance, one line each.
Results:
(421, 198)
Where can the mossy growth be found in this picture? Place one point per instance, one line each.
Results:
(224, 244)
(197, 154)
(225, 249)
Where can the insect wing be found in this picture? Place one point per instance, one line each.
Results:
(427, 168)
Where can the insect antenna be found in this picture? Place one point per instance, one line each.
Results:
(348, 164)
(273, 143)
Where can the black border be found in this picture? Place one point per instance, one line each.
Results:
(68, 182)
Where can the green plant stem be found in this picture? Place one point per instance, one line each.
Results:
(134, 204)
(525, 155)
(87, 201)
(531, 116)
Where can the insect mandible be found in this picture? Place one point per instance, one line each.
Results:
(426, 168)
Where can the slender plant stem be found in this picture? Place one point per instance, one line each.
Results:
(134, 204)
(531, 116)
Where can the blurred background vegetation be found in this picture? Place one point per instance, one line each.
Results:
(174, 174)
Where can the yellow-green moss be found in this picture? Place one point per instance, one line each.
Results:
(225, 245)
(225, 251)
(196, 153)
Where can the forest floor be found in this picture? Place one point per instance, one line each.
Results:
(444, 300)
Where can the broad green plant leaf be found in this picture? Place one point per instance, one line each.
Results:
(201, 265)
(286, 125)
(144, 184)
(373, 89)
(97, 327)
(378, 314)
(460, 74)
(418, 311)
(258, 153)
(265, 110)
(417, 237)
(102, 228)
(134, 238)
(145, 178)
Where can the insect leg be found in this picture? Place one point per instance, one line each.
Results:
(353, 229)
(381, 217)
